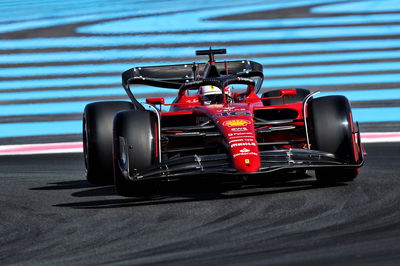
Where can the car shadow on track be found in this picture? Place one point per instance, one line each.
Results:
(89, 190)
(173, 193)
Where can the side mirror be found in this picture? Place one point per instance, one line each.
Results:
(288, 92)
(155, 100)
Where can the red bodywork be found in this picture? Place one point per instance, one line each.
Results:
(236, 122)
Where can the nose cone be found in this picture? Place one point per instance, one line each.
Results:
(236, 123)
(246, 163)
(244, 149)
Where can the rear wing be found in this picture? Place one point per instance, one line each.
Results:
(174, 76)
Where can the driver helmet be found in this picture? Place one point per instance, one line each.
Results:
(210, 94)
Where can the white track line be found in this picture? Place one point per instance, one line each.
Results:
(380, 137)
(44, 148)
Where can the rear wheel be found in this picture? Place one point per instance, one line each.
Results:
(299, 97)
(331, 130)
(97, 139)
(134, 149)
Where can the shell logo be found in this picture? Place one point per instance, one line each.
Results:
(236, 123)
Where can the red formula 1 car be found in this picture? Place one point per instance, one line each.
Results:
(217, 126)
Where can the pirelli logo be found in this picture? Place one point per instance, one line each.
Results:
(243, 144)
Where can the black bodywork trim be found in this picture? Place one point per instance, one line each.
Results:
(172, 76)
(188, 128)
(271, 161)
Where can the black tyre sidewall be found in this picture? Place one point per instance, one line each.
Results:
(331, 126)
(331, 129)
(138, 128)
(97, 137)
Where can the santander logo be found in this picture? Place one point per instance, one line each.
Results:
(244, 150)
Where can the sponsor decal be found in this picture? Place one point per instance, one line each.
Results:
(236, 137)
(235, 113)
(239, 129)
(243, 144)
(230, 108)
(244, 150)
(226, 109)
(240, 134)
(236, 140)
(242, 140)
(240, 113)
(236, 123)
(244, 153)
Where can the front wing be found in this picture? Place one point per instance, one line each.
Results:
(271, 161)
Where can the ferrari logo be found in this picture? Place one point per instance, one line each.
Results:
(247, 161)
(236, 123)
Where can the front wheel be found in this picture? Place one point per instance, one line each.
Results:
(135, 147)
(97, 139)
(331, 130)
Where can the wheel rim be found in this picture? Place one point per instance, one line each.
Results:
(85, 144)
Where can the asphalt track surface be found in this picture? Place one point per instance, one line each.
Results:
(51, 216)
(49, 213)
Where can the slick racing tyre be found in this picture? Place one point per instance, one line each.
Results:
(97, 139)
(134, 149)
(299, 97)
(331, 130)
